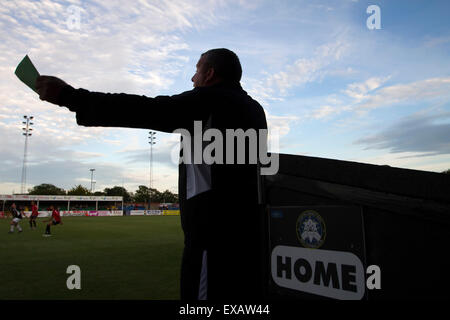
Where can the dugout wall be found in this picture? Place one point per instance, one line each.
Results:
(329, 220)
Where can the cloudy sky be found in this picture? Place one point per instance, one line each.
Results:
(333, 87)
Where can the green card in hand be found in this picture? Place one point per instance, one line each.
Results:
(27, 73)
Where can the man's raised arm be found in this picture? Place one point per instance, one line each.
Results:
(162, 113)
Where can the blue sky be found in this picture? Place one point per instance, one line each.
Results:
(332, 87)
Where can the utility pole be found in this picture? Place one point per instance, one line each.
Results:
(27, 133)
(151, 141)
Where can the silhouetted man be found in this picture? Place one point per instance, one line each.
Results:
(218, 201)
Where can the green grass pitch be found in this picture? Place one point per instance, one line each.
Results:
(136, 257)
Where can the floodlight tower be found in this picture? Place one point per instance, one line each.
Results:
(92, 177)
(152, 141)
(27, 133)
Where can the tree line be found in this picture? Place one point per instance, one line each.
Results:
(141, 195)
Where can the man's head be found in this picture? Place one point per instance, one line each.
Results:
(217, 65)
(13, 205)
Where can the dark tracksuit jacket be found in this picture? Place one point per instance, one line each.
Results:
(221, 225)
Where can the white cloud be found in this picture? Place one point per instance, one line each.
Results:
(370, 94)
(305, 70)
(323, 112)
(406, 93)
(279, 127)
(275, 86)
(360, 90)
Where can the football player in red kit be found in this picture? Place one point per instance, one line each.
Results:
(34, 215)
(54, 220)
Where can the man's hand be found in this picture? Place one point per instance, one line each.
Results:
(49, 88)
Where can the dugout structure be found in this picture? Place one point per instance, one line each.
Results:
(327, 221)
(67, 205)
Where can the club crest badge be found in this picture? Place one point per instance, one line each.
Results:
(311, 230)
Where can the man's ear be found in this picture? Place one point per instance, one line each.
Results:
(210, 74)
